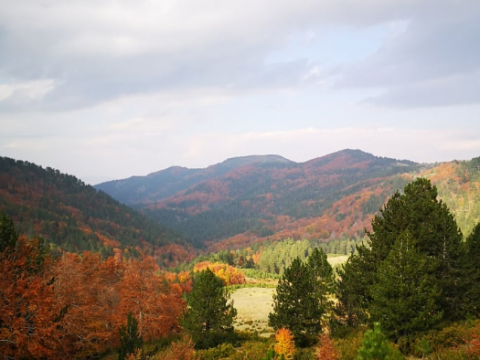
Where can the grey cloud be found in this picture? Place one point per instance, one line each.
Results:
(95, 52)
(435, 62)
(446, 91)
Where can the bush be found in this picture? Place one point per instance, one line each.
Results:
(452, 336)
(251, 350)
(348, 346)
(220, 352)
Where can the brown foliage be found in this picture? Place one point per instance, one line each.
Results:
(182, 349)
(72, 307)
(326, 349)
(473, 346)
(27, 306)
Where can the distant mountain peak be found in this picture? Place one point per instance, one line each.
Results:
(253, 159)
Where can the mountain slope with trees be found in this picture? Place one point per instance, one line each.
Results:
(331, 198)
(261, 196)
(77, 217)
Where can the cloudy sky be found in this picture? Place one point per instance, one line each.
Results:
(106, 89)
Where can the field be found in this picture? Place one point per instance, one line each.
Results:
(253, 306)
(336, 260)
(255, 303)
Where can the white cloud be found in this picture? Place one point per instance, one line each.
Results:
(108, 89)
(98, 50)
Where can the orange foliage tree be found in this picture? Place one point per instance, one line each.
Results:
(228, 274)
(72, 307)
(285, 345)
(27, 308)
(327, 349)
(86, 291)
(156, 304)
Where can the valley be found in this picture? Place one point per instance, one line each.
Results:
(252, 222)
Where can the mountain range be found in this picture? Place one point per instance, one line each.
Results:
(253, 198)
(174, 213)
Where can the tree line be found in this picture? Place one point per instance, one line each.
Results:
(414, 274)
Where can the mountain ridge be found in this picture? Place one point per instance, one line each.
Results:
(251, 194)
(177, 178)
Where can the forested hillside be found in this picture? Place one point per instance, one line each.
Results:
(458, 184)
(260, 197)
(77, 217)
(165, 183)
(248, 200)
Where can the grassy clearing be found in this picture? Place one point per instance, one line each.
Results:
(254, 302)
(253, 306)
(336, 260)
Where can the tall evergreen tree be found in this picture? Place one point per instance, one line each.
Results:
(8, 235)
(296, 305)
(323, 278)
(405, 294)
(209, 316)
(471, 278)
(437, 237)
(130, 339)
(352, 290)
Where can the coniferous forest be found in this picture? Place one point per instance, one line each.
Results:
(95, 279)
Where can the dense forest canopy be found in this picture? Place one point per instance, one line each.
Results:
(76, 217)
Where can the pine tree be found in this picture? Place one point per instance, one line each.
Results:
(209, 316)
(352, 290)
(130, 339)
(471, 279)
(8, 235)
(323, 277)
(296, 305)
(405, 295)
(437, 235)
(375, 346)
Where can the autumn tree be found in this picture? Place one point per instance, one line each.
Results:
(153, 301)
(285, 345)
(209, 316)
(183, 349)
(86, 290)
(326, 349)
(28, 311)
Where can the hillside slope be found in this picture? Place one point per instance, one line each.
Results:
(458, 184)
(165, 183)
(265, 196)
(77, 217)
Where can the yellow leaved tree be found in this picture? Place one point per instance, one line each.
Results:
(285, 345)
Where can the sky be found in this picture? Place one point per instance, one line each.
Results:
(107, 89)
